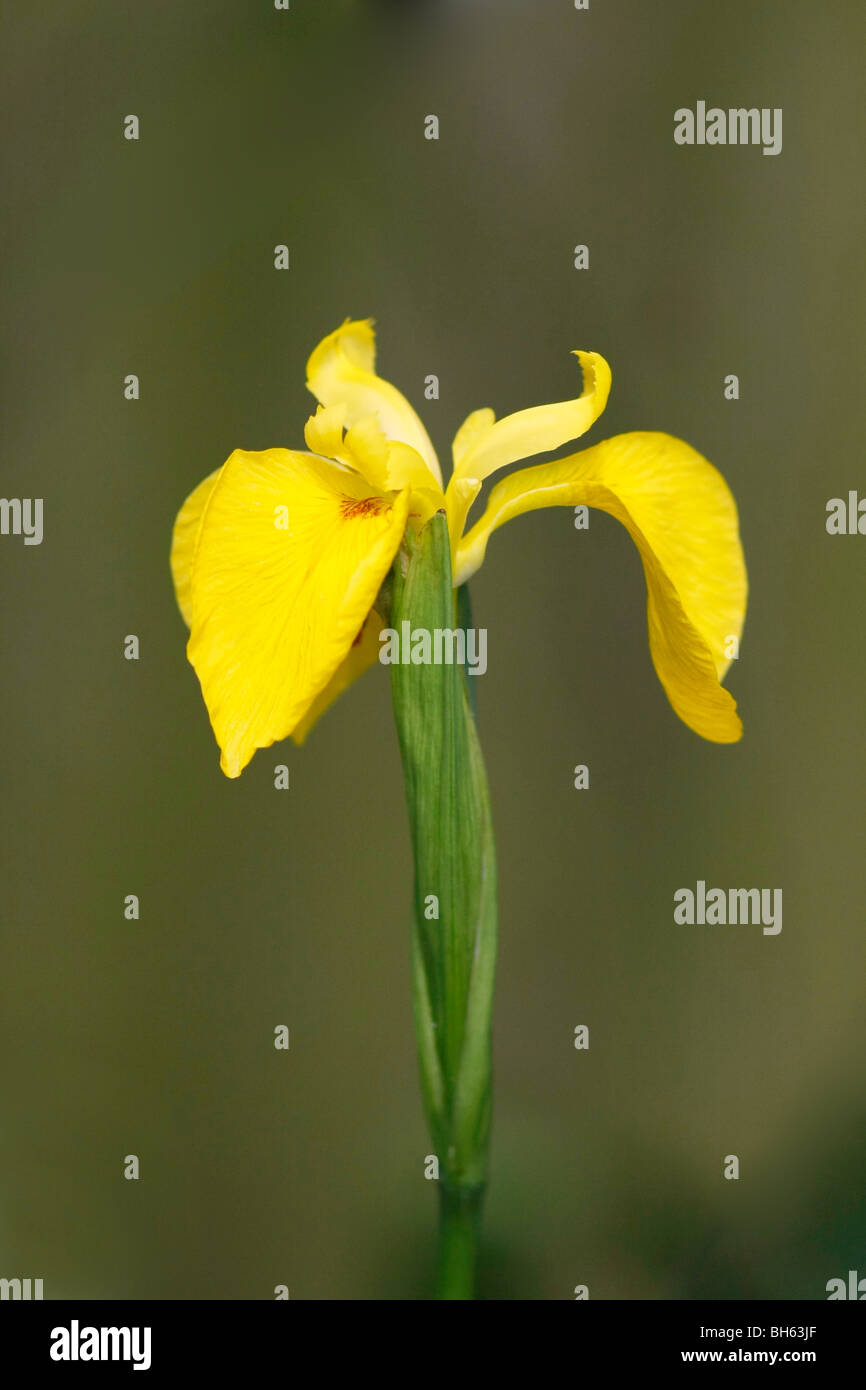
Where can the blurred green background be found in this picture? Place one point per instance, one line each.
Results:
(261, 907)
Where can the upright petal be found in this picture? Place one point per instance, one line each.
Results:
(475, 425)
(342, 370)
(459, 496)
(325, 431)
(387, 465)
(679, 512)
(483, 443)
(291, 554)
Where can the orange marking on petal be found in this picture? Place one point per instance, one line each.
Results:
(364, 506)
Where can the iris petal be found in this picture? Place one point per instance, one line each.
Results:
(363, 654)
(291, 554)
(679, 511)
(483, 443)
(342, 372)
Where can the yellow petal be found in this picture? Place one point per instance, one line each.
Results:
(362, 447)
(184, 541)
(459, 496)
(679, 512)
(483, 444)
(324, 432)
(386, 465)
(476, 424)
(363, 654)
(276, 609)
(342, 371)
(406, 468)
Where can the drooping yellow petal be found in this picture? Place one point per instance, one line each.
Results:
(363, 654)
(184, 541)
(680, 513)
(342, 371)
(483, 443)
(291, 554)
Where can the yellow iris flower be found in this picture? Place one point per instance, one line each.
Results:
(278, 556)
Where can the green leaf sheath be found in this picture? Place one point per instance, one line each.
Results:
(454, 929)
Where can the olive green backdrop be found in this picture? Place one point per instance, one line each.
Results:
(261, 907)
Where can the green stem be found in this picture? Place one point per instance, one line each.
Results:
(459, 1225)
(454, 928)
